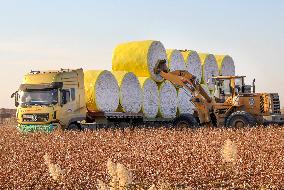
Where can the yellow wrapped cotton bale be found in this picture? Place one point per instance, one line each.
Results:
(167, 100)
(206, 89)
(175, 60)
(150, 103)
(184, 101)
(209, 69)
(130, 92)
(226, 65)
(101, 91)
(139, 57)
(193, 63)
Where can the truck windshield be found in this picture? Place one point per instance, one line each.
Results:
(38, 97)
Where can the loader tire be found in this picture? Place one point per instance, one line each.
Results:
(186, 121)
(74, 127)
(240, 119)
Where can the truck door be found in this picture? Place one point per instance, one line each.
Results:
(68, 105)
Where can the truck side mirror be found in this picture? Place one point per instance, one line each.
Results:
(16, 96)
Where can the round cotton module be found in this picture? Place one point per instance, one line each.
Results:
(150, 100)
(209, 69)
(175, 60)
(101, 91)
(167, 100)
(226, 65)
(184, 103)
(193, 63)
(206, 89)
(139, 57)
(130, 95)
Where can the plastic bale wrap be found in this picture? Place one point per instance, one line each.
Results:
(175, 60)
(226, 65)
(130, 92)
(209, 69)
(150, 101)
(193, 63)
(101, 91)
(139, 57)
(184, 103)
(167, 100)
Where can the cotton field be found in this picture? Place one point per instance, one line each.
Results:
(156, 158)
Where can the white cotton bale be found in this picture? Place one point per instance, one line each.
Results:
(101, 91)
(130, 92)
(150, 97)
(167, 100)
(209, 69)
(184, 101)
(193, 63)
(206, 89)
(226, 65)
(175, 60)
(139, 57)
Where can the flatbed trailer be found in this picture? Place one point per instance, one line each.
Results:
(95, 120)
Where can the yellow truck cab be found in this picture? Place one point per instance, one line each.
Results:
(51, 99)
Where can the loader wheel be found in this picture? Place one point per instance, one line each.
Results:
(240, 119)
(186, 121)
(74, 127)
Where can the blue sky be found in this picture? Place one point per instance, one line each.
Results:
(53, 34)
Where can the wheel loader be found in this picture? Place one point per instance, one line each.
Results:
(234, 104)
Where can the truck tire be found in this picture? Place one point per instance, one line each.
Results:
(74, 127)
(240, 119)
(186, 121)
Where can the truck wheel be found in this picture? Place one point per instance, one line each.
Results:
(74, 127)
(186, 121)
(240, 119)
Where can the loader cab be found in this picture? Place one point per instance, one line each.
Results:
(230, 86)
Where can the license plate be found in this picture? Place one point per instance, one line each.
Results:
(36, 128)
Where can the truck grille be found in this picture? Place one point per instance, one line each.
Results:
(275, 104)
(39, 117)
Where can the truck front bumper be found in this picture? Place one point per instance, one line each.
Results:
(38, 127)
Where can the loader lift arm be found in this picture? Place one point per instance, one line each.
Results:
(187, 81)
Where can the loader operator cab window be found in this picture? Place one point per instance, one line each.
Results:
(222, 90)
(238, 85)
(219, 91)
